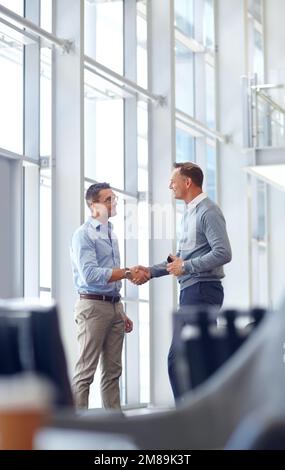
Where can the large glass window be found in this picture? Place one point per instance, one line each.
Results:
(210, 96)
(142, 146)
(211, 169)
(15, 5)
(144, 352)
(209, 24)
(11, 89)
(45, 234)
(45, 102)
(255, 9)
(142, 69)
(184, 73)
(184, 146)
(46, 15)
(255, 45)
(184, 16)
(104, 132)
(104, 25)
(46, 155)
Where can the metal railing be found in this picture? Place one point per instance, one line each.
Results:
(264, 116)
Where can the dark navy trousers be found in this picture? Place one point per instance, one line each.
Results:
(201, 293)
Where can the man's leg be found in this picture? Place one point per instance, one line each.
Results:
(201, 293)
(93, 319)
(111, 359)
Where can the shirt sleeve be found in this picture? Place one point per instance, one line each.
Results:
(214, 228)
(158, 270)
(85, 259)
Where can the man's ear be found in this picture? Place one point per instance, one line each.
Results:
(189, 182)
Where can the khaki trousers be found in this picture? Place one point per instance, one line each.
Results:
(100, 333)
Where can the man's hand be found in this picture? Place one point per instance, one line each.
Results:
(175, 267)
(141, 274)
(128, 323)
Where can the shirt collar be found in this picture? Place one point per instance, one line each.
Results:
(196, 200)
(96, 223)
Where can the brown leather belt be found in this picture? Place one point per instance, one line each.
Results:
(106, 298)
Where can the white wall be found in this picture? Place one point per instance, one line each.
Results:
(162, 148)
(68, 138)
(277, 245)
(275, 73)
(231, 157)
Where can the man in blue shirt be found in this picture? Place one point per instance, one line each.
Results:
(99, 314)
(203, 249)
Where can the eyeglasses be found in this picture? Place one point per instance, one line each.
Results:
(110, 199)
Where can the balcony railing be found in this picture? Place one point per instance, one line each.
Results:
(264, 114)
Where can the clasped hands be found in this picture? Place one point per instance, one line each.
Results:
(141, 274)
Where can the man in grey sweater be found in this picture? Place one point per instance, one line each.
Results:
(203, 249)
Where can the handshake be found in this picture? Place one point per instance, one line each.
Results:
(139, 275)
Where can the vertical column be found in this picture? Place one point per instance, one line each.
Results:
(32, 87)
(131, 185)
(67, 149)
(162, 155)
(31, 220)
(275, 73)
(231, 63)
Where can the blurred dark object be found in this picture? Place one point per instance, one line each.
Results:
(30, 341)
(207, 339)
(241, 406)
(259, 432)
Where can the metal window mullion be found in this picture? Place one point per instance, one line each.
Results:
(127, 194)
(34, 28)
(161, 143)
(192, 122)
(31, 146)
(32, 88)
(131, 185)
(130, 85)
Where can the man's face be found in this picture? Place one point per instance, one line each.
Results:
(107, 203)
(179, 184)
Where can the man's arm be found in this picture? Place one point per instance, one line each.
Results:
(139, 274)
(85, 259)
(159, 270)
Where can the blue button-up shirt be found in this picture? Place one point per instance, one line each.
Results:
(94, 254)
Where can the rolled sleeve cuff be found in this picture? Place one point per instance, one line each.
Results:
(158, 270)
(106, 274)
(188, 267)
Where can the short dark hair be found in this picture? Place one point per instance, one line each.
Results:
(93, 191)
(191, 170)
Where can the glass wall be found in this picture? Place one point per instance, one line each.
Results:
(117, 134)
(11, 87)
(184, 16)
(112, 150)
(104, 25)
(195, 90)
